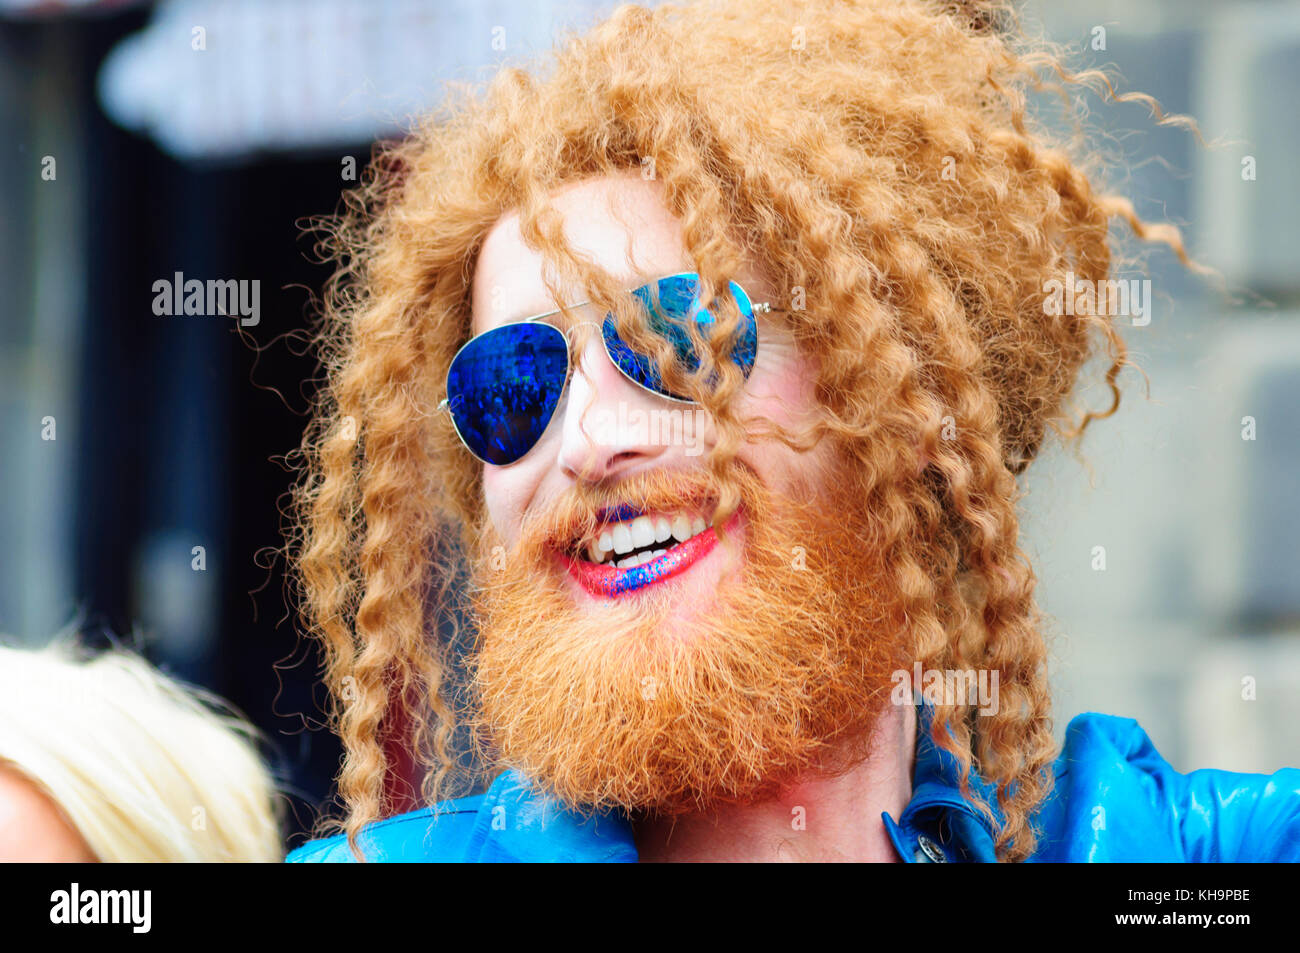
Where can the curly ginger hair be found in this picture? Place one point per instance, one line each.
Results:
(880, 159)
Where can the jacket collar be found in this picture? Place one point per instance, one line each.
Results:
(939, 825)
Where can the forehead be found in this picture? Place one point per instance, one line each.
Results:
(619, 222)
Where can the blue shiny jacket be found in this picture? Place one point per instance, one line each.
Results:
(1115, 799)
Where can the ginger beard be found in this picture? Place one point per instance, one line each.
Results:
(641, 702)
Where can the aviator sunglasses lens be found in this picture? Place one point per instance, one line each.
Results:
(503, 388)
(671, 304)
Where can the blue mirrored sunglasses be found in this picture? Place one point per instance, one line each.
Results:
(504, 385)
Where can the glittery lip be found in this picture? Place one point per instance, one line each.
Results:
(619, 514)
(625, 512)
(610, 581)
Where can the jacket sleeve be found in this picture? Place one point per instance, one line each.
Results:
(1206, 816)
(1241, 817)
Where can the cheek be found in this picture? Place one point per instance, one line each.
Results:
(498, 499)
(782, 390)
(784, 396)
(506, 494)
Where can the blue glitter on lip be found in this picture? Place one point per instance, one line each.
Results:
(635, 577)
(609, 581)
(619, 514)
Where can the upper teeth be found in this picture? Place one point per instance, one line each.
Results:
(623, 537)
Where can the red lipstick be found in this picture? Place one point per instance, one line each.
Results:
(610, 581)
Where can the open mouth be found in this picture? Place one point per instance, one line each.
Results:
(630, 550)
(629, 543)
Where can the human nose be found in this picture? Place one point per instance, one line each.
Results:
(598, 442)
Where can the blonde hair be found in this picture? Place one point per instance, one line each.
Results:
(145, 768)
(920, 296)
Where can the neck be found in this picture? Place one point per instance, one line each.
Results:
(819, 819)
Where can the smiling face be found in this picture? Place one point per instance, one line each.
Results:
(622, 224)
(627, 657)
(940, 375)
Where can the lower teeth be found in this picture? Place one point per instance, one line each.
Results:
(623, 561)
(641, 558)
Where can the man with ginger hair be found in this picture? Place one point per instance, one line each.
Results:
(678, 656)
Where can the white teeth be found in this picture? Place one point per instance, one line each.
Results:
(681, 528)
(643, 532)
(621, 538)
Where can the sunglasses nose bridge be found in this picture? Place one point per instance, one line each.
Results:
(593, 444)
(569, 332)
